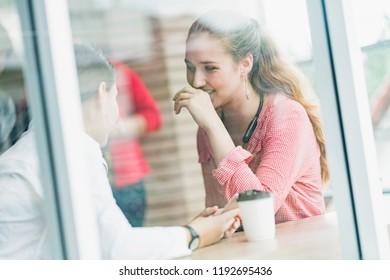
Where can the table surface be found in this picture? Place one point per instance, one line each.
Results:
(310, 238)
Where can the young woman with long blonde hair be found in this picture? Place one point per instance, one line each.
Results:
(259, 125)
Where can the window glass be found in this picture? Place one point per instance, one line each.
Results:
(294, 40)
(14, 110)
(22, 203)
(372, 27)
(150, 149)
(146, 41)
(149, 38)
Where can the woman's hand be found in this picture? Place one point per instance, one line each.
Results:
(211, 227)
(198, 103)
(201, 108)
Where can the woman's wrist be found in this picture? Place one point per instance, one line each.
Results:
(214, 125)
(220, 140)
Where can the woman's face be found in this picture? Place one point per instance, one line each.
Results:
(211, 69)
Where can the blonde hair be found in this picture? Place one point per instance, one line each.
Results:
(270, 73)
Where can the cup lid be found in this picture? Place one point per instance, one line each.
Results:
(252, 194)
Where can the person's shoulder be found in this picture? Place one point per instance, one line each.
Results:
(282, 103)
(21, 161)
(23, 149)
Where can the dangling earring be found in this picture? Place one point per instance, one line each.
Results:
(246, 88)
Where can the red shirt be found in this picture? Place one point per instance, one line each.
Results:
(282, 157)
(128, 162)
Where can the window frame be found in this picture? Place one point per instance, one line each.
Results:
(53, 91)
(348, 131)
(53, 95)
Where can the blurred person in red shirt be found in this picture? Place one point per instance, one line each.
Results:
(139, 116)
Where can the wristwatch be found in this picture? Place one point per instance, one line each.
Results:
(195, 239)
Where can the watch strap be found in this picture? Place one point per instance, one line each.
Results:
(194, 236)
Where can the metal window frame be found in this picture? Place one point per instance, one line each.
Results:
(341, 89)
(53, 95)
(348, 131)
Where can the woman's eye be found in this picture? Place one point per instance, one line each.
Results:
(209, 68)
(190, 68)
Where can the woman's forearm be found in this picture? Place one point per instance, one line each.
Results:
(220, 140)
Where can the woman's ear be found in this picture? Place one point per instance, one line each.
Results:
(246, 64)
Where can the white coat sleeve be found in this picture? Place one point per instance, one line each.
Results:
(119, 240)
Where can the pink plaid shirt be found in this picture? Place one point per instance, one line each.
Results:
(282, 157)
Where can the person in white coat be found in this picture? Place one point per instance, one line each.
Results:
(23, 228)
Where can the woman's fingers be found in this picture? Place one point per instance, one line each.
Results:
(233, 227)
(181, 100)
(181, 104)
(230, 214)
(184, 96)
(209, 211)
(189, 90)
(230, 219)
(199, 104)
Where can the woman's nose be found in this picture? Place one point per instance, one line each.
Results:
(198, 79)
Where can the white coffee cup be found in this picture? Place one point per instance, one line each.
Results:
(257, 214)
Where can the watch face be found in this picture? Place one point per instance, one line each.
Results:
(194, 243)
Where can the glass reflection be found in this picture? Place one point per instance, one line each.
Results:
(21, 206)
(372, 26)
(148, 41)
(149, 38)
(14, 110)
